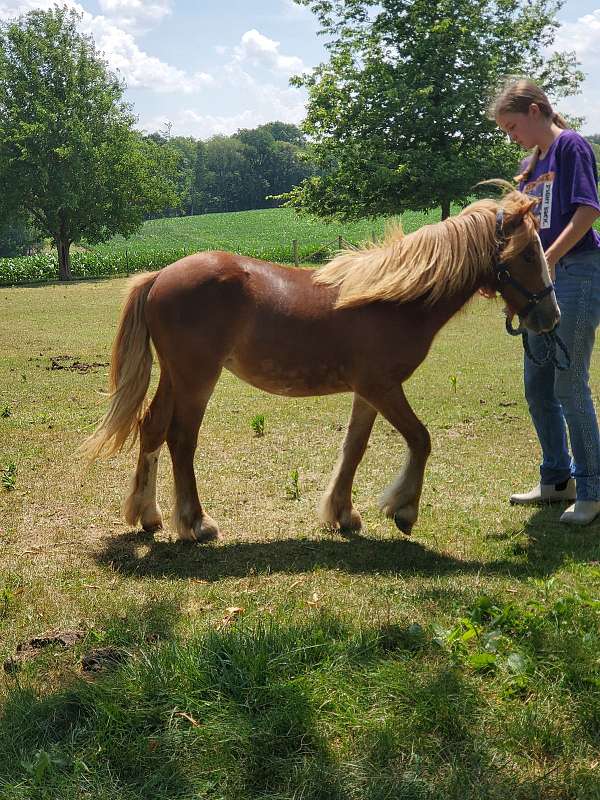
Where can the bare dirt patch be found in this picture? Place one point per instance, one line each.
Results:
(33, 647)
(61, 362)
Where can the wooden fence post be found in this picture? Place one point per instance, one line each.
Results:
(339, 242)
(295, 250)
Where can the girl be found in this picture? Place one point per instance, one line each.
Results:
(562, 174)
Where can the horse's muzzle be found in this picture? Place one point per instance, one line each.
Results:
(544, 317)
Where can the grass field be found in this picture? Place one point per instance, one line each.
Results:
(266, 234)
(288, 661)
(263, 233)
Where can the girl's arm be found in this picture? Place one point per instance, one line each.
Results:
(580, 223)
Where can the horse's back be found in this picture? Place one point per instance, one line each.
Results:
(235, 284)
(200, 272)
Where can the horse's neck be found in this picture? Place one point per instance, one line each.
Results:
(443, 311)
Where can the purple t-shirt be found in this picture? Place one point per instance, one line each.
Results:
(565, 178)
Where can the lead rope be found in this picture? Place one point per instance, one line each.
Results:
(551, 341)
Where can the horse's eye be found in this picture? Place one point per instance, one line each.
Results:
(528, 255)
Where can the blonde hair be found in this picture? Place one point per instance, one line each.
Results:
(435, 261)
(515, 97)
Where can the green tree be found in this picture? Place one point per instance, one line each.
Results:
(180, 152)
(397, 116)
(69, 156)
(285, 132)
(185, 148)
(273, 160)
(258, 165)
(233, 173)
(594, 140)
(199, 190)
(224, 170)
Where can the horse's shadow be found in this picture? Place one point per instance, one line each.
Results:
(536, 549)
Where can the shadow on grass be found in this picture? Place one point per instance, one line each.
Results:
(319, 710)
(58, 284)
(547, 544)
(316, 710)
(231, 714)
(47, 743)
(543, 546)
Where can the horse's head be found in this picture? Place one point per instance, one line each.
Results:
(520, 270)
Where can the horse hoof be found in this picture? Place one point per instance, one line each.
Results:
(151, 520)
(152, 527)
(403, 525)
(207, 531)
(351, 522)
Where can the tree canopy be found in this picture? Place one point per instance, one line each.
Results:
(238, 172)
(70, 159)
(397, 116)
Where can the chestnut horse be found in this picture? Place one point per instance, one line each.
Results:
(362, 323)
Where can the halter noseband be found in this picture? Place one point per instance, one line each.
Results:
(504, 277)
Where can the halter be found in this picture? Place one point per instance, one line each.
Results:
(504, 278)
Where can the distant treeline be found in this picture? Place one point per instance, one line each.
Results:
(238, 172)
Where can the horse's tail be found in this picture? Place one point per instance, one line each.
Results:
(131, 365)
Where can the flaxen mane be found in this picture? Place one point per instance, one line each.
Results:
(436, 260)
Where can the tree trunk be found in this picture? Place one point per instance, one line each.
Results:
(64, 259)
(445, 208)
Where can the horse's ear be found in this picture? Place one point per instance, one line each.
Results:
(529, 205)
(516, 212)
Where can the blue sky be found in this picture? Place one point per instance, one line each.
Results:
(213, 66)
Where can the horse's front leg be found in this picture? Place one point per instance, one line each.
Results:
(336, 507)
(400, 501)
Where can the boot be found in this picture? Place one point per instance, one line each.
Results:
(581, 512)
(546, 493)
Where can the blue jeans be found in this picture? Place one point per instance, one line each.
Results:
(562, 399)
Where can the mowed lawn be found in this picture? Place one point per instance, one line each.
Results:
(288, 661)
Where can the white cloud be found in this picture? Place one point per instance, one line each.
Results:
(138, 68)
(260, 51)
(14, 8)
(119, 47)
(266, 103)
(202, 126)
(583, 36)
(136, 14)
(155, 10)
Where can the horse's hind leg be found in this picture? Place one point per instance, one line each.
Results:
(336, 507)
(141, 503)
(400, 501)
(191, 521)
